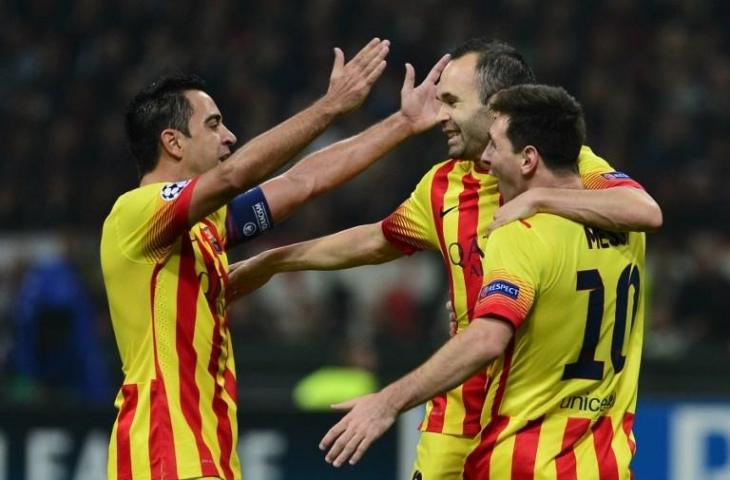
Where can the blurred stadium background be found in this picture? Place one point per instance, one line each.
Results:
(653, 77)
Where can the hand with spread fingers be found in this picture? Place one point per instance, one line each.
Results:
(420, 105)
(369, 417)
(351, 82)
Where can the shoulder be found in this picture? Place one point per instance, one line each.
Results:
(589, 162)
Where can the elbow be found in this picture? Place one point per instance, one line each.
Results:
(652, 218)
(655, 220)
(491, 338)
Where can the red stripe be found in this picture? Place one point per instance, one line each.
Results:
(163, 463)
(602, 438)
(565, 462)
(230, 385)
(220, 407)
(503, 378)
(124, 424)
(628, 425)
(187, 296)
(473, 392)
(438, 190)
(524, 451)
(477, 464)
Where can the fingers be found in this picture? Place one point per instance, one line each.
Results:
(435, 73)
(362, 447)
(371, 54)
(377, 61)
(332, 434)
(343, 443)
(376, 73)
(367, 52)
(453, 328)
(410, 79)
(494, 225)
(348, 448)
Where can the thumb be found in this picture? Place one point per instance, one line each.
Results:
(410, 79)
(344, 406)
(339, 61)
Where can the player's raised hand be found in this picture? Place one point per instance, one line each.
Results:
(350, 82)
(420, 104)
(369, 417)
(246, 276)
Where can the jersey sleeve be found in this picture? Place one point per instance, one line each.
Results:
(597, 174)
(148, 220)
(410, 228)
(511, 275)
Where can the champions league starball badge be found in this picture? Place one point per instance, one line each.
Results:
(171, 191)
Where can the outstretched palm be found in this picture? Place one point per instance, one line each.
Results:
(421, 104)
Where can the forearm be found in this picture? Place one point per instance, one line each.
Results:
(266, 153)
(336, 164)
(460, 358)
(361, 245)
(618, 208)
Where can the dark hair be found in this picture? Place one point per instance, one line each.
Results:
(499, 66)
(160, 105)
(545, 117)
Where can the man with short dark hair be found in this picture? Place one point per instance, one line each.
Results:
(163, 251)
(452, 210)
(558, 319)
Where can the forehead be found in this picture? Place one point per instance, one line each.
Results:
(459, 75)
(499, 123)
(202, 103)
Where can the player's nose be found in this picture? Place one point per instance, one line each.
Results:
(443, 115)
(228, 137)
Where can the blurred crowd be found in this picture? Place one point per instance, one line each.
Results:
(653, 78)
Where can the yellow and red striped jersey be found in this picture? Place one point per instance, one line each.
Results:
(561, 399)
(449, 211)
(165, 283)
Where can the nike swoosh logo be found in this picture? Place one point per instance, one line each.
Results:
(444, 212)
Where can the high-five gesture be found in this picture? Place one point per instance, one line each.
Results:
(420, 105)
(350, 82)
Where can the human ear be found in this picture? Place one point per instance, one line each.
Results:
(170, 140)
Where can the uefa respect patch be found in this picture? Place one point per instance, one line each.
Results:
(615, 176)
(500, 287)
(171, 191)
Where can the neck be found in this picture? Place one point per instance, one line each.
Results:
(555, 179)
(164, 171)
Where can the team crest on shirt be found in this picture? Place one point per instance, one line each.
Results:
(171, 191)
(210, 238)
(500, 287)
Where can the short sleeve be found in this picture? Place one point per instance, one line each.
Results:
(597, 174)
(410, 228)
(511, 275)
(149, 219)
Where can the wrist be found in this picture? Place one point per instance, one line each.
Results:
(327, 107)
(391, 397)
(402, 123)
(537, 199)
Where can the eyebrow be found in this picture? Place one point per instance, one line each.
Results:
(448, 96)
(216, 116)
